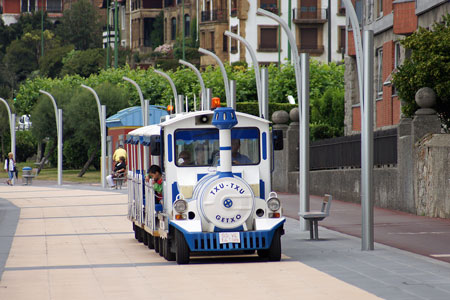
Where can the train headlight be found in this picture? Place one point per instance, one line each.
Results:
(273, 204)
(180, 206)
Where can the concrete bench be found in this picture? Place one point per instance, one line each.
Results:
(315, 216)
(29, 177)
(118, 181)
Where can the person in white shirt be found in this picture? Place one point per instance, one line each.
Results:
(10, 167)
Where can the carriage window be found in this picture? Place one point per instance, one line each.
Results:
(200, 147)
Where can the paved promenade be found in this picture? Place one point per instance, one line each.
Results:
(75, 242)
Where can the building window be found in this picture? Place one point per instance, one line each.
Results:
(379, 73)
(211, 41)
(396, 64)
(359, 10)
(233, 8)
(187, 25)
(308, 38)
(341, 8)
(341, 39)
(225, 43)
(122, 17)
(268, 38)
(234, 42)
(173, 33)
(270, 5)
(379, 8)
(28, 6)
(54, 6)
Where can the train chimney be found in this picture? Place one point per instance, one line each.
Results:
(224, 119)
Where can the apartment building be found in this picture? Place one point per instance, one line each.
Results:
(11, 9)
(391, 21)
(310, 20)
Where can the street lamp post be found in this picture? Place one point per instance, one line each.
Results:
(200, 79)
(12, 125)
(224, 73)
(303, 109)
(174, 90)
(58, 117)
(102, 117)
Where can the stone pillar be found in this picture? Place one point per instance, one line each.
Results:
(425, 120)
(292, 135)
(280, 172)
(405, 167)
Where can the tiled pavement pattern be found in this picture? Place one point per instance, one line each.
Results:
(75, 242)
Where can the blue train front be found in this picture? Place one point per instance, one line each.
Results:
(216, 185)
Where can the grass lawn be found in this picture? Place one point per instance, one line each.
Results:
(91, 176)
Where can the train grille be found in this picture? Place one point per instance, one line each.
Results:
(210, 241)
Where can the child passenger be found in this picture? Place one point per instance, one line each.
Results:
(156, 174)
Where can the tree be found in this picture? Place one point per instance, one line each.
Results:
(428, 66)
(51, 63)
(81, 26)
(20, 59)
(83, 63)
(157, 34)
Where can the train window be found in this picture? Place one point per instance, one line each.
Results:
(200, 147)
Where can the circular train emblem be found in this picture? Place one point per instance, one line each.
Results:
(228, 203)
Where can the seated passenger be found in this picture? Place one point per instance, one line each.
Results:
(156, 174)
(200, 155)
(236, 157)
(119, 171)
(184, 158)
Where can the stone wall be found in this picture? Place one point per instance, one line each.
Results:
(432, 166)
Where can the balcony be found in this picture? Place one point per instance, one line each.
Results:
(311, 49)
(218, 15)
(233, 12)
(309, 15)
(270, 7)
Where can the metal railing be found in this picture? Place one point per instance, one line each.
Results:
(214, 15)
(309, 13)
(270, 7)
(345, 152)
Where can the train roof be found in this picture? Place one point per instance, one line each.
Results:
(185, 116)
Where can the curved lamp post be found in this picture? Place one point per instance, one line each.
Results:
(200, 78)
(58, 117)
(255, 66)
(224, 73)
(102, 117)
(174, 89)
(364, 64)
(141, 98)
(12, 125)
(303, 108)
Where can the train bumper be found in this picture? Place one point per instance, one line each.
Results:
(214, 241)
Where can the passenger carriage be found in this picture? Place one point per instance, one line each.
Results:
(217, 186)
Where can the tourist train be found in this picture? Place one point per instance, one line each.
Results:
(217, 198)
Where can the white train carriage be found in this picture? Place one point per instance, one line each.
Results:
(216, 190)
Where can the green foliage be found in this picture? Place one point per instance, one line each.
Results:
(51, 63)
(252, 108)
(327, 114)
(428, 66)
(20, 59)
(157, 34)
(83, 63)
(25, 145)
(80, 26)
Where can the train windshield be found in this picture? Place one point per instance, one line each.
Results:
(200, 147)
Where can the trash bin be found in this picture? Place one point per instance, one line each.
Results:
(26, 171)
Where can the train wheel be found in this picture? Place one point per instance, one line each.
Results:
(136, 231)
(161, 247)
(145, 237)
(151, 244)
(156, 243)
(182, 253)
(140, 234)
(169, 255)
(274, 252)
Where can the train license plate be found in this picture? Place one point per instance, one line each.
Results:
(229, 237)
